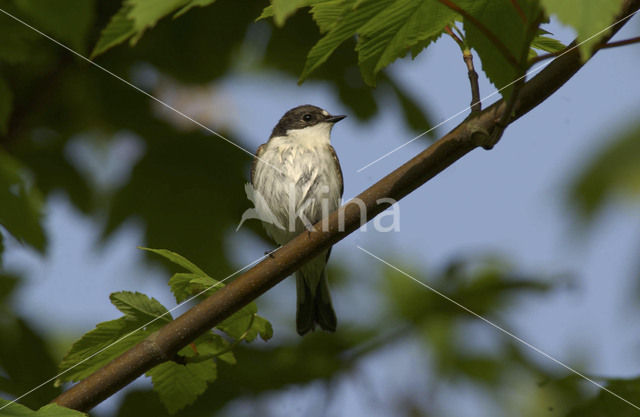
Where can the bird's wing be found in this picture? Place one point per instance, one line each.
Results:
(255, 161)
(338, 168)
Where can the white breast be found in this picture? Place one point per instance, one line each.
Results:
(306, 183)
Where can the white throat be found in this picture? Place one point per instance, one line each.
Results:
(316, 135)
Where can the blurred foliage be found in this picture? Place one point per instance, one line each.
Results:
(185, 186)
(613, 172)
(25, 354)
(606, 404)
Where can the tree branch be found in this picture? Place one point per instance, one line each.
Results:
(473, 132)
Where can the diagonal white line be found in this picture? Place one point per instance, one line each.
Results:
(531, 72)
(136, 330)
(135, 87)
(508, 333)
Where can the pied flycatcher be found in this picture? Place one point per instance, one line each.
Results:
(298, 179)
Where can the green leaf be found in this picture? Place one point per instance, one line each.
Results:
(179, 385)
(588, 21)
(177, 259)
(213, 345)
(191, 4)
(139, 307)
(21, 207)
(282, 9)
(6, 104)
(49, 410)
(136, 16)
(508, 26)
(68, 21)
(119, 29)
(398, 29)
(613, 172)
(267, 12)
(181, 287)
(201, 283)
(112, 338)
(547, 44)
(246, 325)
(354, 15)
(327, 14)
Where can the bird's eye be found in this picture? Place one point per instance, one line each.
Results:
(307, 117)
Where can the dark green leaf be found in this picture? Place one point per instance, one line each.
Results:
(20, 203)
(511, 31)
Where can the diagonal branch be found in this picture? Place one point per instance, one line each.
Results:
(473, 132)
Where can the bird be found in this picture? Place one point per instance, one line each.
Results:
(297, 177)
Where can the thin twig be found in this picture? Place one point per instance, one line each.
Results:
(476, 104)
(454, 36)
(549, 55)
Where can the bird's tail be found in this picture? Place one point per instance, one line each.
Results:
(314, 300)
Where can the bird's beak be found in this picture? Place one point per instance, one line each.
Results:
(334, 119)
